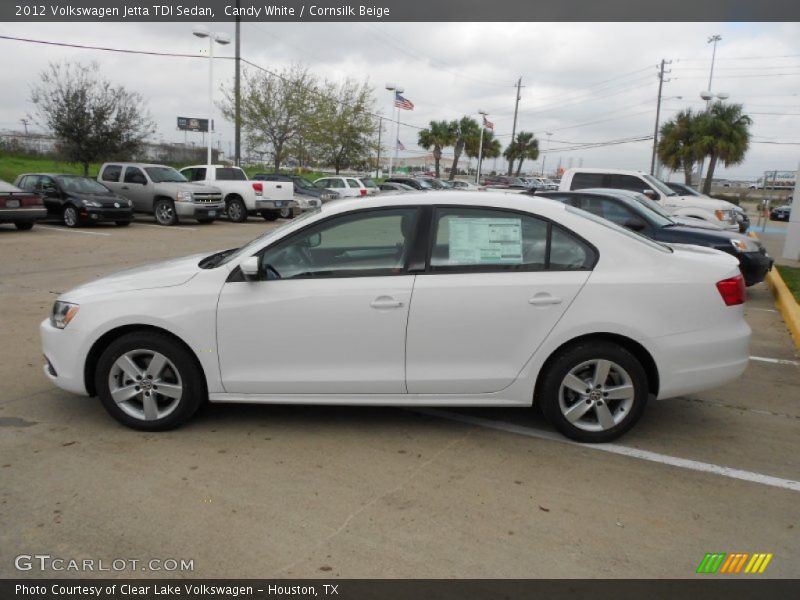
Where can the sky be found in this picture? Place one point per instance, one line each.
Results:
(583, 82)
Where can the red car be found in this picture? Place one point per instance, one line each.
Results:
(20, 208)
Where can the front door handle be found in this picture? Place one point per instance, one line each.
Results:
(124, 187)
(544, 300)
(385, 302)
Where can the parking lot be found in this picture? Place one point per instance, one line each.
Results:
(290, 491)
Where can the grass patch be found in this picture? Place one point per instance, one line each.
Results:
(13, 165)
(791, 276)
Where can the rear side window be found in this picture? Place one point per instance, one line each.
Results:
(475, 239)
(195, 174)
(28, 183)
(626, 182)
(111, 173)
(368, 182)
(230, 174)
(581, 181)
(353, 183)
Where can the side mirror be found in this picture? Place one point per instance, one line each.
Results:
(250, 268)
(650, 194)
(51, 192)
(635, 223)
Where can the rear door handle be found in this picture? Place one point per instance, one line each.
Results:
(385, 302)
(124, 187)
(544, 300)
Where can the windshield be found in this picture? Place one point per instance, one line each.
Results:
(302, 183)
(165, 175)
(253, 244)
(611, 225)
(368, 182)
(662, 217)
(81, 185)
(433, 183)
(659, 185)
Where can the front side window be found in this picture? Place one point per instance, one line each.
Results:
(361, 244)
(134, 175)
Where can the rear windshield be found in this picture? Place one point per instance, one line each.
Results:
(230, 174)
(368, 182)
(611, 225)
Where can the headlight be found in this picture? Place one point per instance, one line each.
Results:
(63, 313)
(744, 244)
(184, 196)
(724, 215)
(91, 203)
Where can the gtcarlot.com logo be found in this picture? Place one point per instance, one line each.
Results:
(735, 563)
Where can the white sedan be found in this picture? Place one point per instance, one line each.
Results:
(437, 299)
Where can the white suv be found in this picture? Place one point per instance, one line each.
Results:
(719, 212)
(348, 187)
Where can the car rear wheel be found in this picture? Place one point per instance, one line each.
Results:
(70, 216)
(286, 213)
(269, 215)
(594, 391)
(236, 210)
(24, 226)
(165, 212)
(148, 381)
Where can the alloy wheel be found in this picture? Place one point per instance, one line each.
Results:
(596, 395)
(70, 216)
(145, 384)
(164, 213)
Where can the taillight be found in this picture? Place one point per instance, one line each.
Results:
(259, 187)
(732, 290)
(363, 192)
(31, 201)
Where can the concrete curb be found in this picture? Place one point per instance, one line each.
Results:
(784, 300)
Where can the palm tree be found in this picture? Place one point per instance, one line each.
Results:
(723, 134)
(465, 130)
(491, 146)
(526, 146)
(677, 146)
(438, 135)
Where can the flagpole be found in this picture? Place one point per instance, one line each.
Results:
(397, 132)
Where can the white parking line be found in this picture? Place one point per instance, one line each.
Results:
(167, 227)
(60, 230)
(775, 361)
(664, 459)
(762, 309)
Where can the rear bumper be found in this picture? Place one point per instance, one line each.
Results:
(699, 360)
(274, 204)
(22, 215)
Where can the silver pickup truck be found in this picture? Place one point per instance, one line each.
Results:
(162, 191)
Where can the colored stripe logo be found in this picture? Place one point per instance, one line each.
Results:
(734, 563)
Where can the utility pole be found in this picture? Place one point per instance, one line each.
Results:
(25, 124)
(514, 126)
(661, 80)
(237, 94)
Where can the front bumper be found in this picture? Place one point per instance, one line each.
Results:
(22, 215)
(198, 210)
(96, 214)
(64, 359)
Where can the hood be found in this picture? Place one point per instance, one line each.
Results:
(701, 202)
(167, 273)
(697, 224)
(104, 199)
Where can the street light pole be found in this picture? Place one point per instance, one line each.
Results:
(707, 96)
(547, 149)
(221, 39)
(483, 114)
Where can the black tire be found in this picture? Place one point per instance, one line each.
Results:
(164, 211)
(270, 215)
(193, 384)
(205, 221)
(122, 223)
(573, 357)
(236, 210)
(70, 216)
(286, 213)
(24, 225)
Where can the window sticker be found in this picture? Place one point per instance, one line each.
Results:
(485, 241)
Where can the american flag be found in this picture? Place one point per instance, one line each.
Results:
(400, 145)
(403, 103)
(488, 124)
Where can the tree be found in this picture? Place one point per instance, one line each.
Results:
(91, 119)
(343, 126)
(464, 130)
(678, 145)
(275, 108)
(438, 135)
(723, 134)
(491, 146)
(525, 146)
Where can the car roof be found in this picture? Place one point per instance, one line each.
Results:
(609, 171)
(123, 163)
(55, 175)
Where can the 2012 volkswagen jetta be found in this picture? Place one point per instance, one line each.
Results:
(436, 299)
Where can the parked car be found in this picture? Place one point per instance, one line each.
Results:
(684, 190)
(466, 185)
(397, 188)
(418, 183)
(781, 213)
(346, 187)
(636, 181)
(76, 200)
(639, 213)
(505, 182)
(162, 191)
(244, 197)
(565, 309)
(306, 194)
(19, 207)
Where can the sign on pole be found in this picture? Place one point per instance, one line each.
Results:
(192, 124)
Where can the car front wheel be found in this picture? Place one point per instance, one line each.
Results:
(165, 212)
(148, 381)
(594, 391)
(70, 216)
